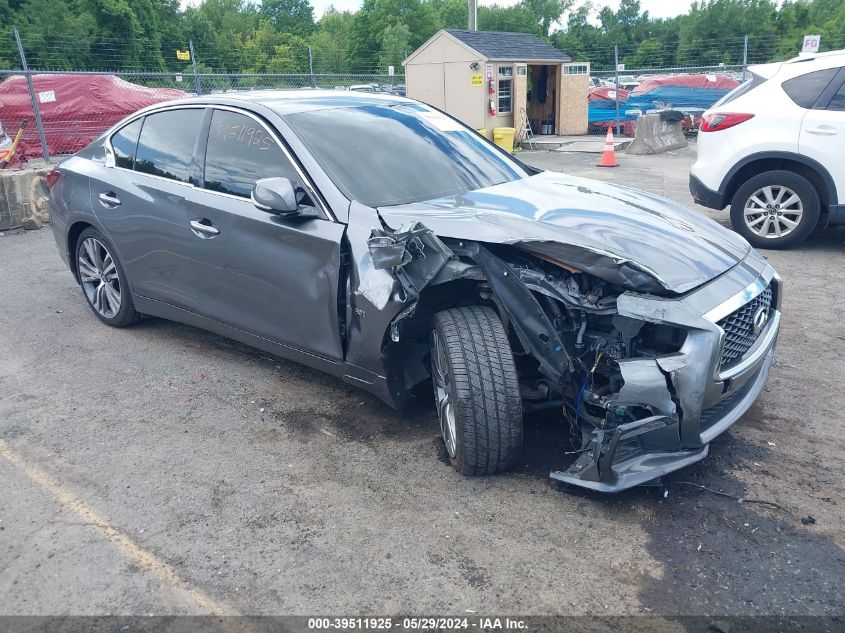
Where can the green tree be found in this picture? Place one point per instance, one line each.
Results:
(330, 43)
(395, 45)
(289, 16)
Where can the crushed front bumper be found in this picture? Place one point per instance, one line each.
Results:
(692, 394)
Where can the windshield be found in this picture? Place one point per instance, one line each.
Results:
(384, 155)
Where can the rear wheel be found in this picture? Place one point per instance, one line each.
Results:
(103, 280)
(476, 390)
(775, 209)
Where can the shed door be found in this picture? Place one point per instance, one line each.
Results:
(463, 100)
(425, 83)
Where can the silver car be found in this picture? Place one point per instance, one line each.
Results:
(382, 241)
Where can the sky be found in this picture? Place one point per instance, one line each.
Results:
(656, 8)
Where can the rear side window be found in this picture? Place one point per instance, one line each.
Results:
(240, 151)
(166, 145)
(124, 143)
(741, 89)
(806, 89)
(838, 101)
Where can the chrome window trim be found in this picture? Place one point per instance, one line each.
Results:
(191, 106)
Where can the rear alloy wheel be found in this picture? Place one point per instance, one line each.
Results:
(775, 209)
(476, 390)
(103, 281)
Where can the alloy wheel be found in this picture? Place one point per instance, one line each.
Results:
(445, 408)
(98, 274)
(773, 211)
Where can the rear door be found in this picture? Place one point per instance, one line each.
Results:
(270, 276)
(141, 202)
(823, 131)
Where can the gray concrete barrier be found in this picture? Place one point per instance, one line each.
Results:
(657, 133)
(23, 197)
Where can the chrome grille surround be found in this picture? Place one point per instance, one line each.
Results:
(739, 329)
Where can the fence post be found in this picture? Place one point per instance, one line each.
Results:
(197, 85)
(311, 68)
(38, 123)
(745, 58)
(616, 91)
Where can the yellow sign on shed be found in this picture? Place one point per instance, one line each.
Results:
(476, 81)
(184, 56)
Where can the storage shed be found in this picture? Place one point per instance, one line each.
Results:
(490, 79)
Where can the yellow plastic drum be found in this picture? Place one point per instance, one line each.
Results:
(503, 137)
(482, 131)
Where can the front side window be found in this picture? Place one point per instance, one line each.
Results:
(806, 89)
(166, 145)
(505, 96)
(124, 142)
(384, 155)
(240, 151)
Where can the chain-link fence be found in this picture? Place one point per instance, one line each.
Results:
(64, 109)
(40, 68)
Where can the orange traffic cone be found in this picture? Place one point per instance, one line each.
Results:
(608, 156)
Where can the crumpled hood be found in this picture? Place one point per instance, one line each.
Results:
(581, 221)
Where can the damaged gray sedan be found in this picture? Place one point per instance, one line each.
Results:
(380, 240)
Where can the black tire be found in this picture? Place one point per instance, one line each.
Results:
(808, 200)
(482, 387)
(94, 291)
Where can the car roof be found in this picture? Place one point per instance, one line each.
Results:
(285, 102)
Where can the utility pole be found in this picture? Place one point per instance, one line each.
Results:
(197, 85)
(745, 58)
(311, 68)
(473, 15)
(616, 91)
(38, 122)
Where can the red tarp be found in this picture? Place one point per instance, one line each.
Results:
(607, 93)
(713, 82)
(75, 109)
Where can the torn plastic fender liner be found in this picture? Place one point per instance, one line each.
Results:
(413, 253)
(536, 333)
(415, 256)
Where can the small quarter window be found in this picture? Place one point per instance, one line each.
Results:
(166, 145)
(806, 89)
(505, 96)
(124, 142)
(240, 151)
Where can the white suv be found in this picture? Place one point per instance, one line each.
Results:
(774, 149)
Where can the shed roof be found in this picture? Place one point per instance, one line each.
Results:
(497, 45)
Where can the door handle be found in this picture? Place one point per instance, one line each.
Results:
(203, 230)
(108, 199)
(823, 130)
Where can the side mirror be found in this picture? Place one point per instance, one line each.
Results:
(275, 195)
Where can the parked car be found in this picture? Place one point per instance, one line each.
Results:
(628, 82)
(384, 242)
(772, 149)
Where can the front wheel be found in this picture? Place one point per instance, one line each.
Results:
(775, 209)
(476, 390)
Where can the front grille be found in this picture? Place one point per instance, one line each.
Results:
(739, 328)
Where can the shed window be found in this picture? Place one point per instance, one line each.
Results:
(505, 96)
(505, 71)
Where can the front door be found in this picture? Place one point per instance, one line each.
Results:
(823, 133)
(272, 277)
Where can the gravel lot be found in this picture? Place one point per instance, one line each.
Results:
(161, 469)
